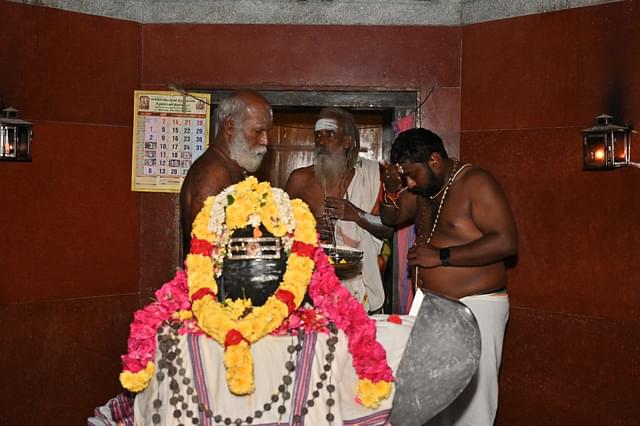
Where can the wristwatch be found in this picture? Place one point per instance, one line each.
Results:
(444, 256)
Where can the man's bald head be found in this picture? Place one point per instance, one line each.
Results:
(244, 120)
(236, 106)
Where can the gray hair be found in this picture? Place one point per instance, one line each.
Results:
(233, 106)
(350, 129)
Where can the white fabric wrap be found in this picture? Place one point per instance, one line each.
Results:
(478, 403)
(326, 124)
(269, 357)
(363, 193)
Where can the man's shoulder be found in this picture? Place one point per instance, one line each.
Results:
(476, 175)
(207, 174)
(303, 173)
(478, 172)
(300, 180)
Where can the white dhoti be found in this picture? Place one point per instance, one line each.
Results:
(478, 403)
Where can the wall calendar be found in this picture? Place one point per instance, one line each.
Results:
(170, 131)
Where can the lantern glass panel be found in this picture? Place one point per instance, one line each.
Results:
(23, 146)
(8, 141)
(619, 147)
(595, 153)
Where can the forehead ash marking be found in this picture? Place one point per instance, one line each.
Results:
(326, 124)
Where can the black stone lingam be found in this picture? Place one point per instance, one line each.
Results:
(253, 267)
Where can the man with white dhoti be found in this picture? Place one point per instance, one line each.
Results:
(465, 231)
(343, 190)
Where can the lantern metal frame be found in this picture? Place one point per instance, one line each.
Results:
(15, 136)
(606, 145)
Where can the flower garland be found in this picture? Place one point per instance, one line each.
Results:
(194, 293)
(247, 203)
(172, 302)
(339, 306)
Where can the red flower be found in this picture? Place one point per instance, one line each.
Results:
(204, 291)
(395, 319)
(202, 247)
(303, 249)
(233, 338)
(286, 297)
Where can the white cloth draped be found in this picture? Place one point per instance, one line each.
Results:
(204, 369)
(478, 403)
(363, 193)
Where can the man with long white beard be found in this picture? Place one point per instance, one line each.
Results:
(244, 119)
(344, 187)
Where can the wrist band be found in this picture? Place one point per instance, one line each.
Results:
(391, 198)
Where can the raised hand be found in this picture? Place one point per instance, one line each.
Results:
(393, 181)
(338, 208)
(324, 228)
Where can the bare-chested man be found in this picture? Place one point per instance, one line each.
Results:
(345, 187)
(244, 120)
(464, 232)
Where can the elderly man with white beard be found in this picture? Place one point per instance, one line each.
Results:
(344, 187)
(244, 119)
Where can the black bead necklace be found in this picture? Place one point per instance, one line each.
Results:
(170, 366)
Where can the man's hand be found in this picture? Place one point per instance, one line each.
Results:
(424, 255)
(324, 229)
(393, 177)
(338, 208)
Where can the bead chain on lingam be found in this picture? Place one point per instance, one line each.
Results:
(170, 353)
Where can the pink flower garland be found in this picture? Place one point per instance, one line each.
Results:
(170, 298)
(334, 300)
(310, 320)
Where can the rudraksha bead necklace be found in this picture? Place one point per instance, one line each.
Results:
(171, 366)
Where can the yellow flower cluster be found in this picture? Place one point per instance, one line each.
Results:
(217, 319)
(182, 315)
(236, 308)
(137, 382)
(239, 365)
(306, 223)
(200, 225)
(371, 394)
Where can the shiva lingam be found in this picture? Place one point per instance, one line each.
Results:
(253, 267)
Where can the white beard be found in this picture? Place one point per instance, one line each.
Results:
(244, 155)
(329, 167)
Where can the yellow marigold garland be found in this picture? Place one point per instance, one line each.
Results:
(137, 382)
(372, 394)
(255, 204)
(247, 203)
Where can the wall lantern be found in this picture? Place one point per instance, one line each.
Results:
(606, 145)
(15, 136)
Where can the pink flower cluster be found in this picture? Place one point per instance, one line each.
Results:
(339, 306)
(308, 319)
(171, 297)
(332, 302)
